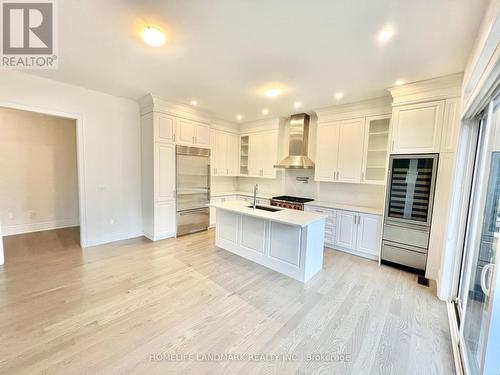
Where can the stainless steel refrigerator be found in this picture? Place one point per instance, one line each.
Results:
(408, 210)
(193, 189)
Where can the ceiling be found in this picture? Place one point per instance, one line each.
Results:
(224, 53)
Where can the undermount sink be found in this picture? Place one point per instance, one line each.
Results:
(265, 208)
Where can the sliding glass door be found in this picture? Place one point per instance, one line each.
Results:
(482, 241)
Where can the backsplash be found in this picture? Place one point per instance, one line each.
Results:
(286, 183)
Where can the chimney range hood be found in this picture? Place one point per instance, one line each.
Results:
(299, 135)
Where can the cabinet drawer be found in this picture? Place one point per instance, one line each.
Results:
(413, 237)
(402, 256)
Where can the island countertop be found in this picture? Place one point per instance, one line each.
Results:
(284, 215)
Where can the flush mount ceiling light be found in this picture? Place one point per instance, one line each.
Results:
(297, 105)
(153, 36)
(194, 102)
(385, 35)
(339, 95)
(239, 117)
(273, 93)
(399, 82)
(265, 111)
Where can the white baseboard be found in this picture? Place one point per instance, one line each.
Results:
(112, 238)
(38, 227)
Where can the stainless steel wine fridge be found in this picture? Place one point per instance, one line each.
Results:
(408, 210)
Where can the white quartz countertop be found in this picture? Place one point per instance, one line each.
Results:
(337, 206)
(247, 194)
(284, 216)
(346, 207)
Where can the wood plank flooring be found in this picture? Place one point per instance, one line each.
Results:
(128, 307)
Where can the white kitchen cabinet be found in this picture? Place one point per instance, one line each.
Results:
(158, 176)
(224, 153)
(369, 234)
(346, 229)
(164, 127)
(376, 150)
(354, 232)
(164, 171)
(350, 150)
(258, 154)
(192, 133)
(330, 223)
(164, 220)
(232, 154)
(451, 125)
(417, 128)
(327, 152)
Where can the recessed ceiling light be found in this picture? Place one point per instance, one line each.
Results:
(339, 95)
(399, 82)
(239, 117)
(153, 37)
(385, 35)
(273, 93)
(297, 105)
(265, 111)
(194, 102)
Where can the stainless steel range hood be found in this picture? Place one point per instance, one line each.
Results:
(299, 135)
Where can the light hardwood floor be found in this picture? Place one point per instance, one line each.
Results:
(108, 309)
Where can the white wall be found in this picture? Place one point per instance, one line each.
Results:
(39, 184)
(111, 186)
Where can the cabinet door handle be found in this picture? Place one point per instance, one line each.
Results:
(227, 171)
(392, 145)
(362, 176)
(173, 137)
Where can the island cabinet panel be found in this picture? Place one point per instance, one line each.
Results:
(228, 227)
(254, 235)
(284, 243)
(279, 243)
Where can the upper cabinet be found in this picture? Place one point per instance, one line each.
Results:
(352, 142)
(164, 127)
(224, 147)
(192, 133)
(350, 150)
(258, 154)
(425, 116)
(327, 149)
(376, 149)
(417, 128)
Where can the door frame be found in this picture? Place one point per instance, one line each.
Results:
(80, 156)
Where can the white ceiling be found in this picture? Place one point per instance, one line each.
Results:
(224, 52)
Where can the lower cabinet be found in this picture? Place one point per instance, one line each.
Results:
(164, 220)
(354, 232)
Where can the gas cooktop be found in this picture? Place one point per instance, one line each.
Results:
(288, 198)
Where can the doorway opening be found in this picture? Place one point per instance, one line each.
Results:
(40, 180)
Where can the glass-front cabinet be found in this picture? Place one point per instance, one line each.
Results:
(377, 149)
(244, 141)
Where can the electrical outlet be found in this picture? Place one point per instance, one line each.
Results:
(112, 221)
(31, 214)
(10, 215)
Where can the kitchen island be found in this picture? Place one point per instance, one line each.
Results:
(287, 241)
